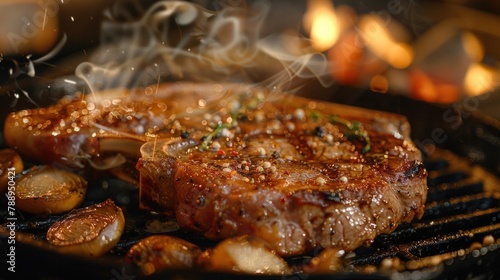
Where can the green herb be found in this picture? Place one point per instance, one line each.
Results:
(355, 129)
(315, 116)
(247, 105)
(214, 134)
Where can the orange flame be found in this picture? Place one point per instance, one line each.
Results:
(480, 79)
(380, 42)
(321, 20)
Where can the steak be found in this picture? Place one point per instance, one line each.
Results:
(93, 128)
(229, 160)
(298, 173)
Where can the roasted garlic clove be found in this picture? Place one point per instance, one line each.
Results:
(159, 252)
(48, 190)
(245, 254)
(11, 164)
(91, 231)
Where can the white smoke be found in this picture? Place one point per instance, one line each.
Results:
(176, 40)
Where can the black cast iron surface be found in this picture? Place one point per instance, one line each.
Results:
(449, 242)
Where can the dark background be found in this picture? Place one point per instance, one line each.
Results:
(80, 21)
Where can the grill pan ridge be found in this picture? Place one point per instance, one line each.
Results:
(457, 238)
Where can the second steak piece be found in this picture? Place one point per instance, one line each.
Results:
(288, 170)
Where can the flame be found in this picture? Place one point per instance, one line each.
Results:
(380, 42)
(479, 79)
(322, 22)
(472, 46)
(429, 89)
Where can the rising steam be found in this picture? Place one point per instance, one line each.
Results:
(175, 40)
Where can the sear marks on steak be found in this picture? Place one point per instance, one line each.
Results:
(282, 170)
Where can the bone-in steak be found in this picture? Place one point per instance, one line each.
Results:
(298, 173)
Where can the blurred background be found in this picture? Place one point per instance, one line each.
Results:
(443, 52)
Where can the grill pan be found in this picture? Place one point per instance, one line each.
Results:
(457, 238)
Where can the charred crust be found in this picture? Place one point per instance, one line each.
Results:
(331, 170)
(322, 185)
(332, 196)
(220, 225)
(300, 144)
(242, 118)
(416, 169)
(320, 131)
(378, 159)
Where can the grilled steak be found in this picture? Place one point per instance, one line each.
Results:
(228, 160)
(297, 173)
(93, 126)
